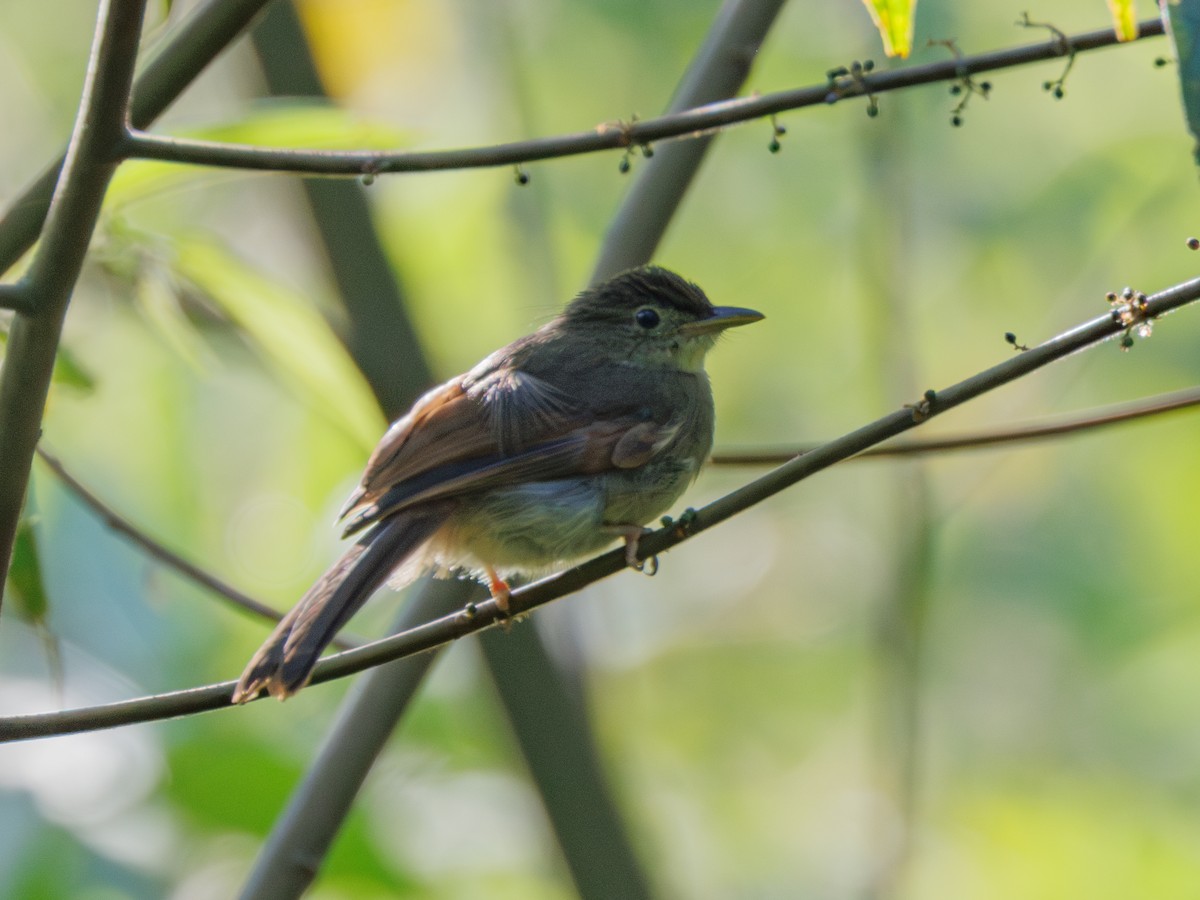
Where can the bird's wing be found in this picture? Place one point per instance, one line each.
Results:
(507, 427)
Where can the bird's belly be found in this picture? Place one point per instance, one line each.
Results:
(527, 527)
(534, 527)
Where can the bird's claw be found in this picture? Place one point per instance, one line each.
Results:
(647, 566)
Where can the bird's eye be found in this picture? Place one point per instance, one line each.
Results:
(646, 317)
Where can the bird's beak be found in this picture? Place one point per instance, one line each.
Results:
(722, 317)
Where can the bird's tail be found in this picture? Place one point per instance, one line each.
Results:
(285, 661)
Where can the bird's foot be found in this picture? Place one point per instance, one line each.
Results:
(501, 592)
(631, 534)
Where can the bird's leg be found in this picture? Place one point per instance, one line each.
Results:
(631, 534)
(499, 588)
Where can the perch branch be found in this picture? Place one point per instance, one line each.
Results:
(477, 617)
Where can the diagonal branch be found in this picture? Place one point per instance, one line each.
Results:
(477, 617)
(686, 124)
(1088, 421)
(33, 341)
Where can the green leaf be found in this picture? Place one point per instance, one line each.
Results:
(894, 19)
(1182, 21)
(1124, 13)
(25, 575)
(68, 370)
(28, 592)
(289, 331)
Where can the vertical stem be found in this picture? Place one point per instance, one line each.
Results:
(91, 159)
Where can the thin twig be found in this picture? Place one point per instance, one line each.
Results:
(477, 617)
(1080, 422)
(691, 123)
(162, 554)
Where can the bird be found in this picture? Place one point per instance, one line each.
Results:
(550, 449)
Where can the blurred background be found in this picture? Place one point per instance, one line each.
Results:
(970, 676)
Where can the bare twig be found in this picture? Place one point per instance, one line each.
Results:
(1081, 422)
(477, 617)
(691, 123)
(162, 554)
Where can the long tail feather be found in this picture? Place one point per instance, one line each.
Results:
(286, 659)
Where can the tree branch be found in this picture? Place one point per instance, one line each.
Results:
(477, 617)
(1081, 422)
(33, 339)
(15, 297)
(688, 124)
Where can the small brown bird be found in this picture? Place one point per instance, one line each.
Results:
(547, 451)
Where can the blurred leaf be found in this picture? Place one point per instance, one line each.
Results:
(158, 302)
(288, 122)
(68, 370)
(894, 19)
(1182, 21)
(31, 601)
(261, 777)
(25, 574)
(289, 331)
(1124, 13)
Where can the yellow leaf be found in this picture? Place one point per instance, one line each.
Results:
(894, 19)
(1124, 13)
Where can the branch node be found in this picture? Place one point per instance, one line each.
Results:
(777, 131)
(852, 82)
(624, 130)
(17, 297)
(966, 86)
(1065, 48)
(923, 408)
(1012, 339)
(683, 525)
(1130, 309)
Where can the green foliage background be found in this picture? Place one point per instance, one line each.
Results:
(744, 698)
